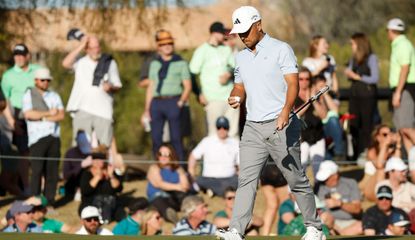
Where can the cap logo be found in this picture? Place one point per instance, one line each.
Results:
(20, 48)
(237, 21)
(253, 18)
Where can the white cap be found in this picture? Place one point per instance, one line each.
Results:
(396, 24)
(43, 73)
(243, 18)
(90, 211)
(326, 169)
(395, 163)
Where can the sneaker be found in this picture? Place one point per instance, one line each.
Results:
(232, 234)
(210, 193)
(313, 234)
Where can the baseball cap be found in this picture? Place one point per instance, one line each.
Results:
(217, 27)
(164, 37)
(396, 24)
(399, 219)
(20, 49)
(384, 191)
(395, 163)
(190, 204)
(222, 122)
(43, 73)
(243, 18)
(90, 211)
(326, 169)
(20, 207)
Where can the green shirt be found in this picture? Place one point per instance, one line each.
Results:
(52, 226)
(296, 228)
(286, 207)
(15, 82)
(211, 62)
(176, 72)
(402, 54)
(222, 214)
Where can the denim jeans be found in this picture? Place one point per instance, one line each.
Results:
(333, 130)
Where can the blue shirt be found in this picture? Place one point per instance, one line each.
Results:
(39, 129)
(183, 228)
(168, 175)
(127, 226)
(262, 74)
(30, 228)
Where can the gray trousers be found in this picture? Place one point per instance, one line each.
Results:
(258, 143)
(89, 122)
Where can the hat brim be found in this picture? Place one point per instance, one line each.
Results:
(401, 223)
(322, 176)
(386, 195)
(165, 41)
(240, 28)
(18, 52)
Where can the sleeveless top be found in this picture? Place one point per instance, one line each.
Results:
(168, 175)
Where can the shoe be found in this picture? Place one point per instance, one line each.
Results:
(210, 193)
(78, 196)
(313, 234)
(232, 234)
(171, 215)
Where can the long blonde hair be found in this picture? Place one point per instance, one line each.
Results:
(146, 217)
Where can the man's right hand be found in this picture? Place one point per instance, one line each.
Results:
(84, 41)
(234, 101)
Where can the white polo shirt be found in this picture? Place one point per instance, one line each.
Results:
(219, 156)
(88, 98)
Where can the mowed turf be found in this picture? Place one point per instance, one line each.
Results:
(43, 236)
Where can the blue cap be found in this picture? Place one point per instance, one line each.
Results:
(398, 219)
(20, 207)
(222, 122)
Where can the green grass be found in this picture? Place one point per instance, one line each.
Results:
(33, 236)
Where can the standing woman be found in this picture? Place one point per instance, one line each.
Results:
(363, 72)
(320, 63)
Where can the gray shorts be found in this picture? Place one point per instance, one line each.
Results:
(88, 122)
(404, 115)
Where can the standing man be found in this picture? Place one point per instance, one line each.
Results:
(14, 83)
(167, 92)
(43, 110)
(91, 99)
(402, 77)
(215, 62)
(266, 73)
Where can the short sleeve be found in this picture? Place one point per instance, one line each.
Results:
(185, 74)
(287, 60)
(113, 74)
(221, 214)
(200, 149)
(27, 102)
(405, 52)
(58, 102)
(237, 76)
(197, 61)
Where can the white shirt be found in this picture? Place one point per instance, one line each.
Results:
(88, 98)
(101, 231)
(313, 63)
(40, 129)
(219, 156)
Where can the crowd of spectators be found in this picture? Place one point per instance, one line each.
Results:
(31, 112)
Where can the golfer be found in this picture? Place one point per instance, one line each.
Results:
(266, 74)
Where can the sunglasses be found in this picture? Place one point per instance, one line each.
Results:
(219, 128)
(96, 219)
(384, 198)
(308, 79)
(230, 198)
(45, 80)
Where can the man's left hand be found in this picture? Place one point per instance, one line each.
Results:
(107, 87)
(396, 99)
(282, 120)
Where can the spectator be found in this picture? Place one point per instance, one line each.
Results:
(14, 83)
(320, 63)
(167, 92)
(167, 184)
(376, 218)
(100, 184)
(274, 187)
(402, 77)
(403, 190)
(223, 217)
(152, 222)
(215, 63)
(384, 144)
(286, 212)
(132, 224)
(328, 110)
(194, 222)
(23, 218)
(398, 225)
(409, 143)
(3, 102)
(363, 72)
(220, 159)
(43, 110)
(91, 99)
(48, 225)
(72, 170)
(341, 197)
(91, 223)
(313, 144)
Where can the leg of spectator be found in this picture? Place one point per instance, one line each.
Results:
(333, 129)
(173, 117)
(317, 152)
(367, 111)
(271, 208)
(305, 154)
(214, 109)
(52, 167)
(157, 123)
(103, 130)
(81, 121)
(37, 151)
(233, 116)
(354, 109)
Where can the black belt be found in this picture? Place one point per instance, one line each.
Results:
(263, 122)
(166, 97)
